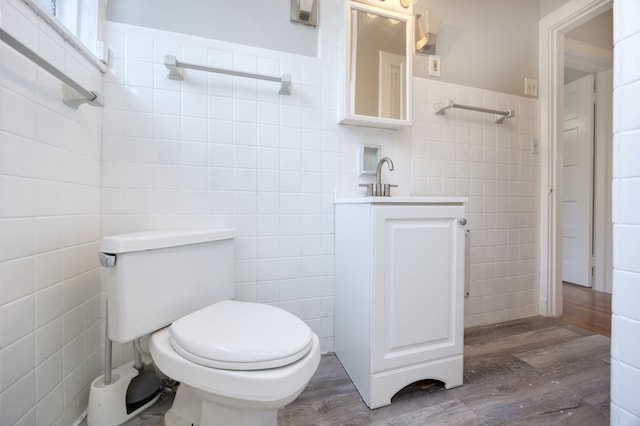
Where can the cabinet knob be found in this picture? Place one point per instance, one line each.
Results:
(463, 221)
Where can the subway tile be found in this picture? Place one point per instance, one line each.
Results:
(625, 14)
(139, 48)
(623, 379)
(73, 383)
(50, 407)
(625, 293)
(245, 134)
(49, 304)
(17, 279)
(194, 129)
(16, 361)
(624, 242)
(244, 180)
(73, 357)
(624, 98)
(245, 111)
(167, 102)
(19, 114)
(220, 108)
(48, 375)
(268, 135)
(626, 155)
(16, 401)
(139, 99)
(245, 157)
(195, 105)
(139, 73)
(49, 339)
(20, 314)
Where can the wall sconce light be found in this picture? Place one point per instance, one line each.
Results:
(304, 12)
(426, 28)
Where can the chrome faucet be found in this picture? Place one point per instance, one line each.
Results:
(379, 168)
(379, 189)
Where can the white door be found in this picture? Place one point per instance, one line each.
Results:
(577, 184)
(391, 85)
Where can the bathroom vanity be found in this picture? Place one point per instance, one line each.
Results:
(399, 292)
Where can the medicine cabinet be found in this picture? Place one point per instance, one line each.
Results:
(377, 65)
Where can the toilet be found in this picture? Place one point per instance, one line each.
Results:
(237, 362)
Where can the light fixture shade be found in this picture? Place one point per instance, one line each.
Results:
(427, 26)
(304, 12)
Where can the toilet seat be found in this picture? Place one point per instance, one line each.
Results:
(233, 335)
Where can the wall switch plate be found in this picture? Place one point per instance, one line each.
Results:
(534, 145)
(530, 87)
(434, 65)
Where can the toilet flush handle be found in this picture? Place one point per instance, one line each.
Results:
(107, 260)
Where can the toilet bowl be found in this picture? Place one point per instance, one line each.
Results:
(237, 362)
(240, 374)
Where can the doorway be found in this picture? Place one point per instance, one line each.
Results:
(553, 28)
(587, 119)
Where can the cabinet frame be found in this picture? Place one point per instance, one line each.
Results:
(363, 321)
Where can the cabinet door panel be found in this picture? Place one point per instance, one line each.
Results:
(416, 309)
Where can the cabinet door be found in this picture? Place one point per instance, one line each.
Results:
(418, 284)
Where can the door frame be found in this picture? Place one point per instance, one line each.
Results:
(552, 28)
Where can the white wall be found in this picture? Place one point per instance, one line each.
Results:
(547, 6)
(216, 150)
(625, 350)
(50, 316)
(252, 22)
(490, 44)
(596, 32)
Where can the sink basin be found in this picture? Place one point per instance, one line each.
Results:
(401, 200)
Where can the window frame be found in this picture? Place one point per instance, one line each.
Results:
(80, 24)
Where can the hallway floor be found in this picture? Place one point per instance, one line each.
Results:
(587, 308)
(527, 372)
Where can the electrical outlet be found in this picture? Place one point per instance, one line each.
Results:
(530, 87)
(434, 65)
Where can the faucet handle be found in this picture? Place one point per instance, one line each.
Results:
(387, 189)
(369, 187)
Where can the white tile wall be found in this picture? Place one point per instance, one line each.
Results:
(49, 226)
(625, 351)
(231, 152)
(215, 150)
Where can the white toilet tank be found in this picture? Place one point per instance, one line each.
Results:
(160, 276)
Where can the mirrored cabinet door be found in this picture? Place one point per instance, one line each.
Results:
(378, 67)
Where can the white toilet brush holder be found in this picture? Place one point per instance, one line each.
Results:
(123, 393)
(107, 403)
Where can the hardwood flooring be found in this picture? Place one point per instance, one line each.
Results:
(535, 371)
(587, 308)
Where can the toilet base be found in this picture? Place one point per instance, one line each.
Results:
(190, 410)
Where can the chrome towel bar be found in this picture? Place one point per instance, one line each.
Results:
(441, 108)
(175, 73)
(70, 98)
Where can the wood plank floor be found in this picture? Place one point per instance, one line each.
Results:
(535, 371)
(587, 308)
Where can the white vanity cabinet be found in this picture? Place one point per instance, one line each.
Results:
(399, 292)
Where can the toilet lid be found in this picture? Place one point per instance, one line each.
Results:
(234, 335)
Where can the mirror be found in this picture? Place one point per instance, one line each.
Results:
(379, 68)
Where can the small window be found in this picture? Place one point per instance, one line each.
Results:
(81, 18)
